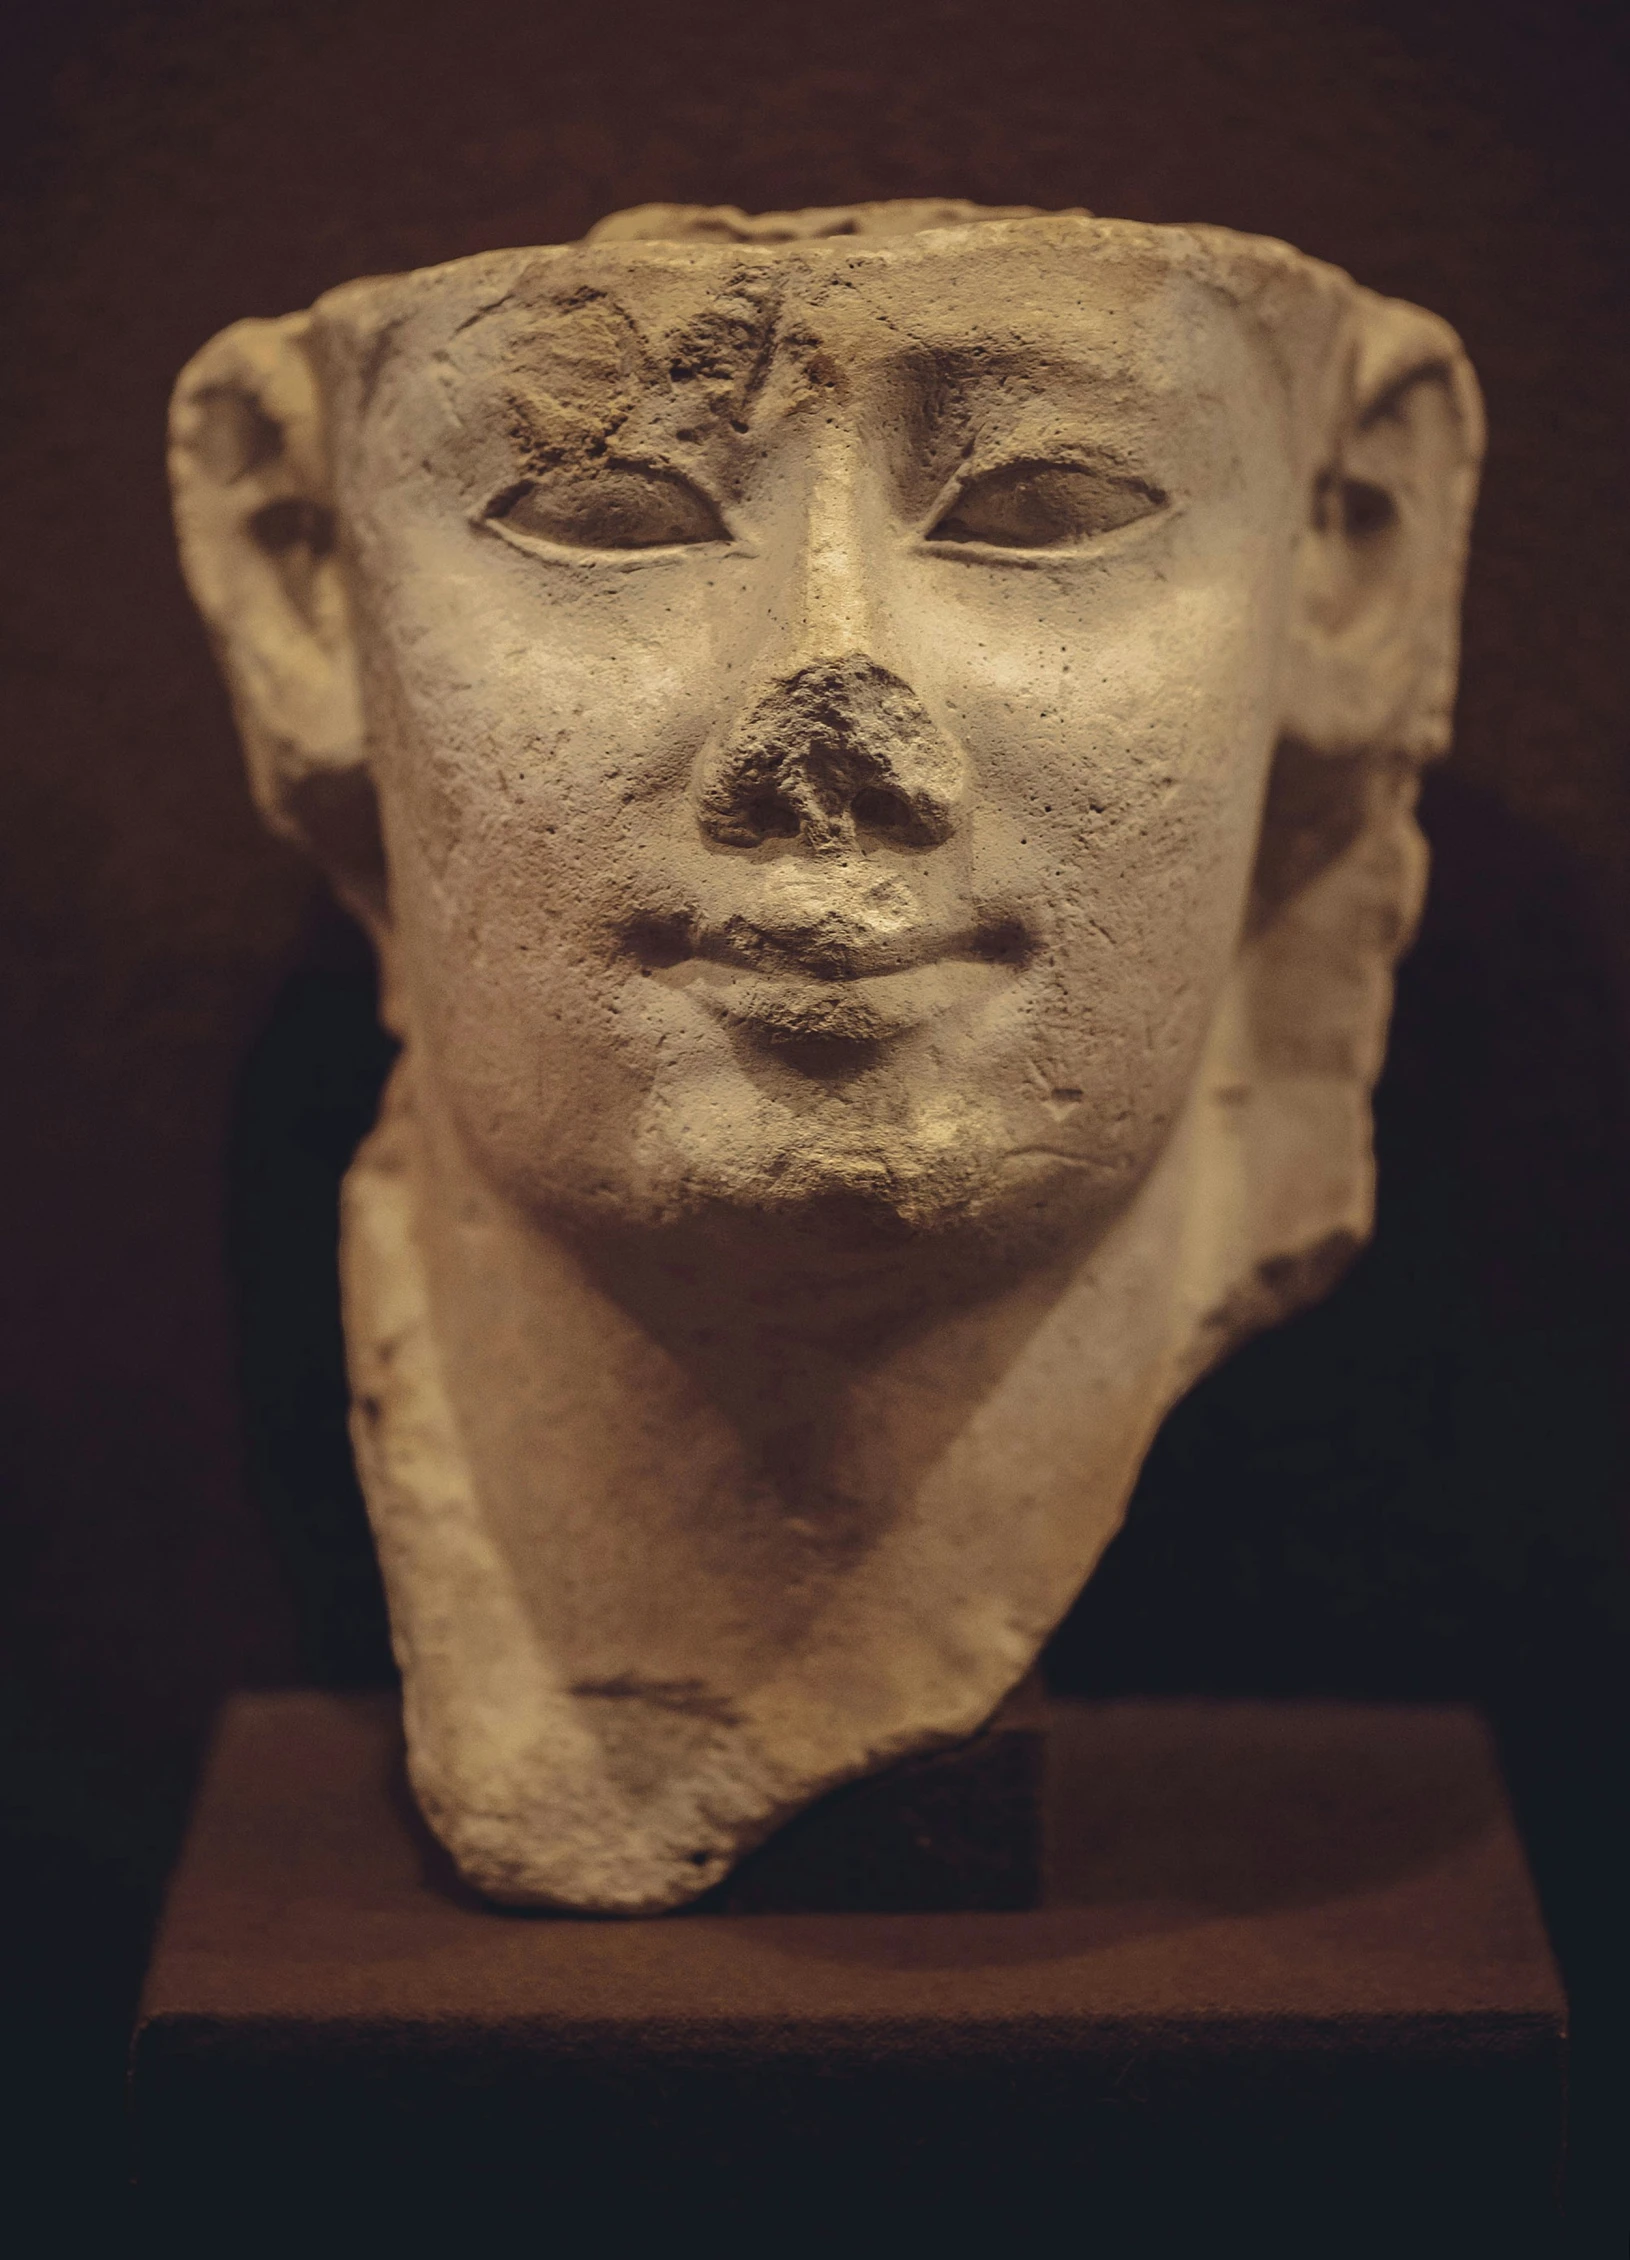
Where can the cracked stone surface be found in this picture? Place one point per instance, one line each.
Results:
(877, 750)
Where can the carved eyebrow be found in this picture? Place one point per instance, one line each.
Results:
(1049, 377)
(728, 347)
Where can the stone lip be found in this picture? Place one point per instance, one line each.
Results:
(858, 1005)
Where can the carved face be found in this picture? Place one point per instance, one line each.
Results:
(820, 695)
(821, 709)
(869, 729)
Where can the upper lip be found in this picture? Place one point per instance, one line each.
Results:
(834, 949)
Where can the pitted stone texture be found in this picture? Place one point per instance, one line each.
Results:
(877, 749)
(843, 748)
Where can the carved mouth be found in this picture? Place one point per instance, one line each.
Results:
(857, 1009)
(831, 982)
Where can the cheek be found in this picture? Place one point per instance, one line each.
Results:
(509, 838)
(525, 723)
(505, 1001)
(1123, 771)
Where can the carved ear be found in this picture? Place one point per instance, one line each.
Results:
(1375, 635)
(249, 480)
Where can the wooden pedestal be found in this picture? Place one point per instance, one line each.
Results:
(1286, 1992)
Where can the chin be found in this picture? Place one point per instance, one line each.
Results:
(883, 1197)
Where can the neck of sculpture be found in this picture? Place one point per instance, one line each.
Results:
(669, 1551)
(697, 1446)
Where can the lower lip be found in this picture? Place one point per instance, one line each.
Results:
(801, 1008)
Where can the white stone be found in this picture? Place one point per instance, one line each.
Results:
(877, 750)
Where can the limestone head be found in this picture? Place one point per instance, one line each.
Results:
(877, 749)
(841, 725)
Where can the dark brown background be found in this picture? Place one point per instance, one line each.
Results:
(1416, 1491)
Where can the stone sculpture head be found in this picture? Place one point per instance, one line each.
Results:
(877, 751)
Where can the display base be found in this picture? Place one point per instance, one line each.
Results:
(1287, 1993)
(961, 1831)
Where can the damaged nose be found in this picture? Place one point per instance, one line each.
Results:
(841, 754)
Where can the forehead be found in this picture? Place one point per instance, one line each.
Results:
(1028, 307)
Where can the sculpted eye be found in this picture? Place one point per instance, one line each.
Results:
(622, 506)
(1045, 506)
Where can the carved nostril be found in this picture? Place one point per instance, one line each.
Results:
(771, 817)
(875, 810)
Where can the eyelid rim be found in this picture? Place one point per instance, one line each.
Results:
(964, 477)
(483, 520)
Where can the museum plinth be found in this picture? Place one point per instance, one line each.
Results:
(1287, 1992)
